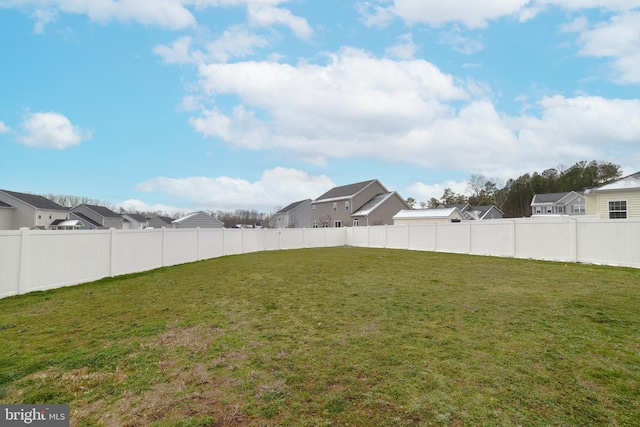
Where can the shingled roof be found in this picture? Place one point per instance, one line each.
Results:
(345, 191)
(38, 202)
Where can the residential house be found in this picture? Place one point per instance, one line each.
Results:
(29, 210)
(160, 221)
(100, 215)
(619, 199)
(339, 206)
(133, 221)
(197, 220)
(379, 210)
(568, 203)
(6, 216)
(294, 215)
(478, 212)
(428, 216)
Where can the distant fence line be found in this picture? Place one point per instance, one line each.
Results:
(32, 260)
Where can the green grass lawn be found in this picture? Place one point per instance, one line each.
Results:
(340, 336)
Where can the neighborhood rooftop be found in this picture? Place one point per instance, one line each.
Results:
(345, 191)
(36, 201)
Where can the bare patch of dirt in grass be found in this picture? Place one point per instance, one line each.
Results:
(188, 390)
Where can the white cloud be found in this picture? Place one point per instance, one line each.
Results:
(359, 106)
(460, 43)
(140, 206)
(4, 128)
(51, 130)
(422, 192)
(170, 14)
(235, 42)
(274, 188)
(404, 49)
(617, 40)
(470, 13)
(473, 13)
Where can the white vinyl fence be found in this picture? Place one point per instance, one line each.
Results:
(32, 260)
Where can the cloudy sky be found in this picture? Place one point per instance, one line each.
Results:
(253, 104)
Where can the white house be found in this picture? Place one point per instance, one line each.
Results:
(428, 216)
(567, 203)
(619, 199)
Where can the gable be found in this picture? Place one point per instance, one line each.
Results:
(347, 191)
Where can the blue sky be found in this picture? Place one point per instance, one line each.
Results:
(182, 105)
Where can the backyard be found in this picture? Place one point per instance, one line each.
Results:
(337, 336)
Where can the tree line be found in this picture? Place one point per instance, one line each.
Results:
(515, 196)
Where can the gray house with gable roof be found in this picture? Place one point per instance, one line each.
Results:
(294, 215)
(99, 216)
(19, 210)
(360, 204)
(568, 203)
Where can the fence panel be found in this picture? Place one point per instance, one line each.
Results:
(211, 243)
(10, 247)
(398, 236)
(180, 246)
(60, 258)
(544, 239)
(609, 242)
(492, 238)
(453, 237)
(136, 250)
(423, 237)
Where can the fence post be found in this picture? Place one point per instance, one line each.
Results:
(408, 236)
(25, 261)
(435, 237)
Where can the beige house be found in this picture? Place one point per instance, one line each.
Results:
(428, 216)
(19, 210)
(619, 199)
(360, 204)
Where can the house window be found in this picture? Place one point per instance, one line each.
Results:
(346, 206)
(315, 224)
(325, 224)
(538, 210)
(549, 210)
(577, 209)
(335, 206)
(337, 224)
(617, 210)
(560, 209)
(356, 223)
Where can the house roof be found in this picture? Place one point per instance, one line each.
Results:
(4, 205)
(38, 202)
(194, 214)
(483, 210)
(426, 213)
(551, 198)
(164, 219)
(87, 220)
(136, 217)
(372, 204)
(346, 191)
(102, 211)
(292, 206)
(626, 183)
